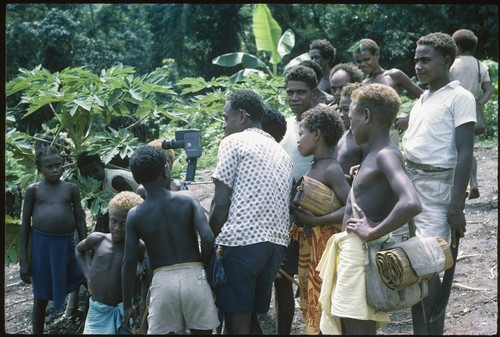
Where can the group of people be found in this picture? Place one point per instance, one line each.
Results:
(343, 136)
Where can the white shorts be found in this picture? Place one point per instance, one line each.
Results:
(180, 299)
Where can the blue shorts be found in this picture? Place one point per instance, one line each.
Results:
(290, 262)
(250, 272)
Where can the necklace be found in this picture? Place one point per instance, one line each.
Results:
(315, 161)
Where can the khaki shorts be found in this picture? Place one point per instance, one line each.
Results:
(180, 299)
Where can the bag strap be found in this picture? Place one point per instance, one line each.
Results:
(478, 72)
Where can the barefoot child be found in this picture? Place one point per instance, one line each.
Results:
(103, 272)
(51, 214)
(319, 132)
(169, 223)
(385, 200)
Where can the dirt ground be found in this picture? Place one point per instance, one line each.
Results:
(472, 309)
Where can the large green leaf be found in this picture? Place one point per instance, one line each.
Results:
(286, 43)
(267, 31)
(247, 60)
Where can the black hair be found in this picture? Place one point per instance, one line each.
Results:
(274, 123)
(45, 150)
(146, 163)
(351, 69)
(442, 43)
(465, 39)
(325, 49)
(302, 74)
(84, 158)
(324, 118)
(314, 66)
(249, 101)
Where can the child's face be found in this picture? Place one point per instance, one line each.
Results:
(306, 142)
(315, 55)
(357, 117)
(429, 64)
(367, 62)
(345, 102)
(117, 219)
(299, 96)
(51, 167)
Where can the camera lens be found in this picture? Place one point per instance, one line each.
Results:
(172, 144)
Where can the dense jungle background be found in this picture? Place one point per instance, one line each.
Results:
(107, 78)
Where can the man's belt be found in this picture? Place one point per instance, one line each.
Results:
(425, 167)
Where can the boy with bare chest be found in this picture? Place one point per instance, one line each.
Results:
(51, 214)
(169, 223)
(103, 271)
(382, 199)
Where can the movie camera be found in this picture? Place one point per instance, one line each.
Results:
(190, 141)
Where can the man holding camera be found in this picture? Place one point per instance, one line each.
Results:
(249, 212)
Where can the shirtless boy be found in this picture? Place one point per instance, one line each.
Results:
(103, 271)
(51, 214)
(319, 132)
(348, 153)
(384, 200)
(169, 223)
(367, 55)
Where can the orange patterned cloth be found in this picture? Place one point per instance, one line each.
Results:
(311, 249)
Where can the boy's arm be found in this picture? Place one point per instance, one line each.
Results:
(24, 235)
(129, 266)
(464, 135)
(408, 205)
(207, 237)
(81, 226)
(487, 92)
(220, 206)
(140, 258)
(414, 91)
(82, 256)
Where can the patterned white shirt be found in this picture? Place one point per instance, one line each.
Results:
(260, 173)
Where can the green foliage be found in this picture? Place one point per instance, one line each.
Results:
(490, 109)
(268, 38)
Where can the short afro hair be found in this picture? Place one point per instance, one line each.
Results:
(382, 101)
(124, 201)
(465, 39)
(249, 101)
(44, 151)
(349, 88)
(351, 69)
(325, 49)
(324, 118)
(274, 123)
(147, 163)
(365, 45)
(442, 43)
(302, 74)
(314, 66)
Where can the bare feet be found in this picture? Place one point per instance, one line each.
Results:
(474, 193)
